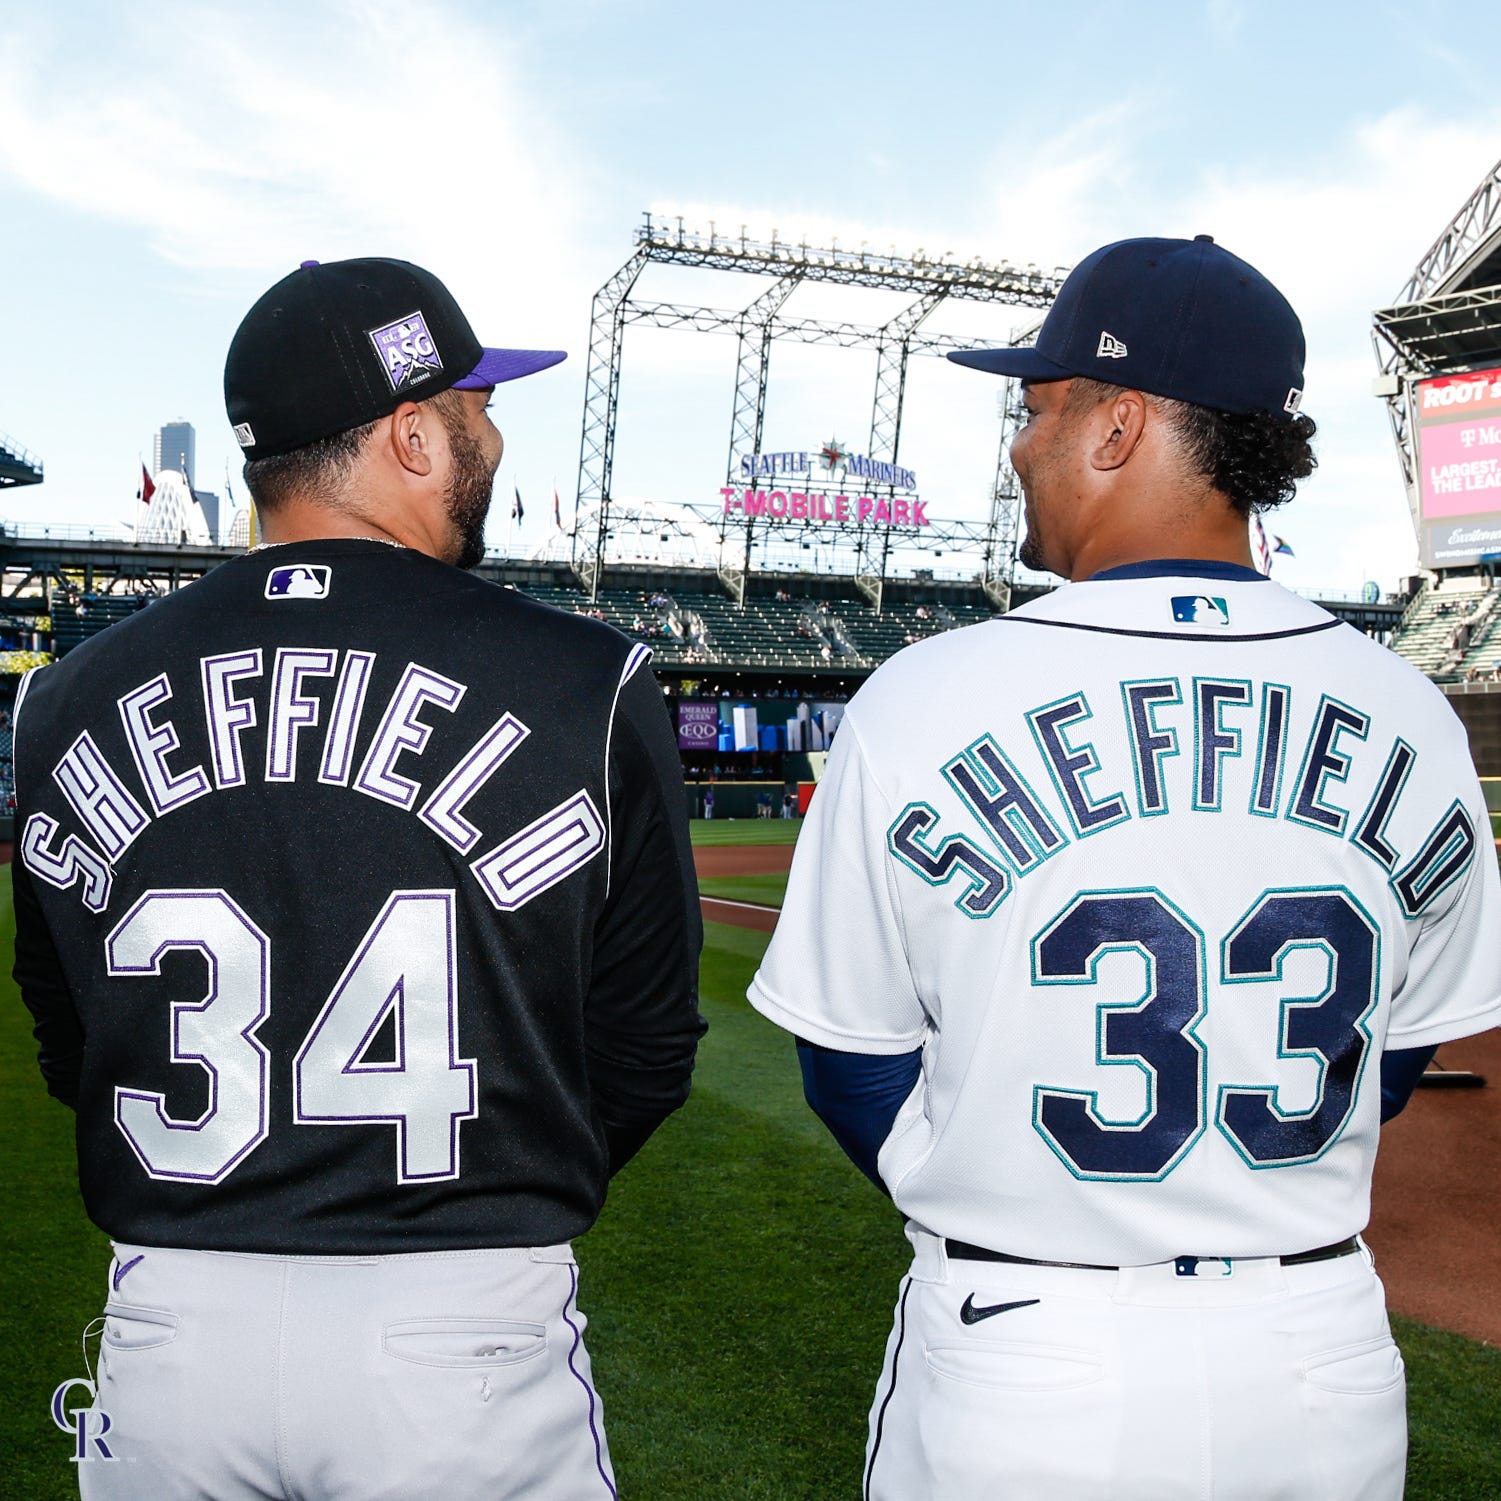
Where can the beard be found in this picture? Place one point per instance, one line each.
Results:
(468, 496)
(1030, 553)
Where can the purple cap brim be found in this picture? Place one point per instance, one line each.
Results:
(496, 366)
(1024, 362)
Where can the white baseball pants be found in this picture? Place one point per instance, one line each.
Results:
(460, 1374)
(1248, 1381)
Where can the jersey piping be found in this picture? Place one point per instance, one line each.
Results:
(1115, 630)
(639, 657)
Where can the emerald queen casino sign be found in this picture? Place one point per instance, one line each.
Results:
(763, 495)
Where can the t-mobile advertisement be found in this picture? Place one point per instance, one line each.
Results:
(698, 725)
(1459, 467)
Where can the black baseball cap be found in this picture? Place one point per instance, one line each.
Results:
(333, 347)
(1178, 318)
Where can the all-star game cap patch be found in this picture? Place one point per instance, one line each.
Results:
(406, 350)
(1201, 609)
(299, 581)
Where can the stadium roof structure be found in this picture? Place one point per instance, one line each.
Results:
(17, 465)
(1447, 318)
(928, 282)
(173, 514)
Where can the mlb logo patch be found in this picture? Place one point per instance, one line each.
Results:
(1201, 609)
(406, 351)
(299, 581)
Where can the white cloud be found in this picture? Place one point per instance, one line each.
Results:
(1338, 225)
(1225, 19)
(279, 132)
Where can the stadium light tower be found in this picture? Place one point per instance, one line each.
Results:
(756, 325)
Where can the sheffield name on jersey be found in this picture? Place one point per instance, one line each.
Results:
(240, 690)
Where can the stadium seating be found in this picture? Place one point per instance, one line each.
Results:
(684, 628)
(74, 621)
(1445, 625)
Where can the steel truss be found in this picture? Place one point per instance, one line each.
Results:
(1432, 327)
(757, 326)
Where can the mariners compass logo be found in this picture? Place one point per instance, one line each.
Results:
(834, 457)
(406, 350)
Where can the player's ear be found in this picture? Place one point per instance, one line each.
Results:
(408, 435)
(1120, 424)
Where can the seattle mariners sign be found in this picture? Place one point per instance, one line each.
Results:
(822, 504)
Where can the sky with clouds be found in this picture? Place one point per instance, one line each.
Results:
(163, 162)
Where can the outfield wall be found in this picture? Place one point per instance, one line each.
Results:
(1479, 708)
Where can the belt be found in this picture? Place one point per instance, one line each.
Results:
(959, 1250)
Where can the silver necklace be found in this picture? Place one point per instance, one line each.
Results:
(386, 541)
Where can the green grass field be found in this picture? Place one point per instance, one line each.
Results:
(767, 890)
(744, 830)
(739, 1286)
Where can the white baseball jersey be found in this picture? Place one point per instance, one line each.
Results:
(1153, 869)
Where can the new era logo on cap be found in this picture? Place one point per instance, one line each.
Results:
(299, 581)
(406, 350)
(1110, 347)
(1201, 609)
(243, 436)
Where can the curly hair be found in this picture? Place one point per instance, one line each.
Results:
(1254, 459)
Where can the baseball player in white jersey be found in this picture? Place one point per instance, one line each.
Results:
(1118, 925)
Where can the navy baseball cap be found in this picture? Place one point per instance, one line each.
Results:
(333, 347)
(1178, 318)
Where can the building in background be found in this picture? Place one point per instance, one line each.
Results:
(175, 448)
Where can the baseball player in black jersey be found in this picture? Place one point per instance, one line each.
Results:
(355, 908)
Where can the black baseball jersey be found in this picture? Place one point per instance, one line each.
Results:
(355, 908)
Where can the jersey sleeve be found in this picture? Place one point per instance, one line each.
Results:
(44, 988)
(836, 972)
(641, 1018)
(38, 971)
(1453, 983)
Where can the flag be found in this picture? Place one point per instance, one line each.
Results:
(148, 487)
(516, 510)
(557, 514)
(1278, 545)
(1261, 552)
